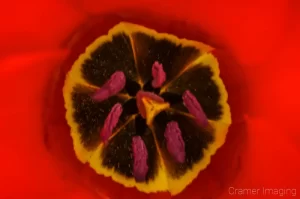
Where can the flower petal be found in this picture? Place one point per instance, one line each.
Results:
(116, 158)
(200, 143)
(106, 55)
(202, 79)
(173, 53)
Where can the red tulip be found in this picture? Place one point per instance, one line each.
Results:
(256, 44)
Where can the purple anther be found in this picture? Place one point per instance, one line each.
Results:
(158, 75)
(111, 121)
(113, 86)
(140, 157)
(194, 107)
(175, 143)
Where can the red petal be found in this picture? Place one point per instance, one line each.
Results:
(263, 38)
(36, 25)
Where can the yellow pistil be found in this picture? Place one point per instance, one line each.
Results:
(153, 108)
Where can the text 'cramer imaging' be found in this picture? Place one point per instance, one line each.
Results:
(263, 191)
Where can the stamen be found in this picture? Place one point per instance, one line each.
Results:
(111, 121)
(140, 157)
(175, 143)
(112, 87)
(158, 75)
(194, 107)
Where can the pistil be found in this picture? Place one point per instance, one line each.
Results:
(148, 95)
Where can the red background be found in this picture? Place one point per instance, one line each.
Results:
(262, 35)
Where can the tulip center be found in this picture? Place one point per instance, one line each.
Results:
(148, 104)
